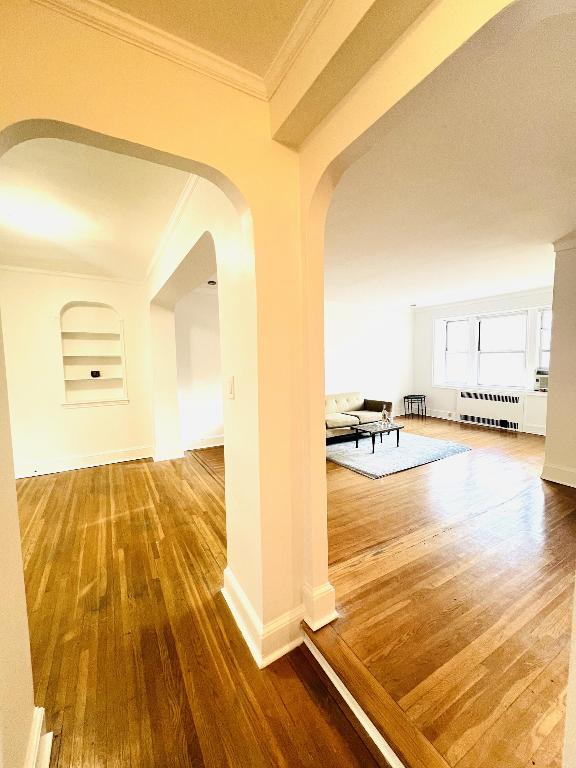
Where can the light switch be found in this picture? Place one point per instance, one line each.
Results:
(230, 388)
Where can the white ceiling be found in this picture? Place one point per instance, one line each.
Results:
(470, 179)
(73, 208)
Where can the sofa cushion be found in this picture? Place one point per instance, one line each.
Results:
(346, 401)
(335, 420)
(365, 416)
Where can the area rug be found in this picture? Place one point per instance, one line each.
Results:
(387, 459)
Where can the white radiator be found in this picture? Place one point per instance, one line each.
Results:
(500, 410)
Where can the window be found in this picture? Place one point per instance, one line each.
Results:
(545, 332)
(456, 351)
(502, 350)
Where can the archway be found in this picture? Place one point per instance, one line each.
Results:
(253, 597)
(515, 30)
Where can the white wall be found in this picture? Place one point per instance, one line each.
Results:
(199, 369)
(47, 435)
(442, 401)
(368, 348)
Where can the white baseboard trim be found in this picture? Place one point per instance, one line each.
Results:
(66, 463)
(267, 642)
(447, 415)
(559, 474)
(531, 429)
(206, 442)
(167, 455)
(39, 742)
(380, 742)
(319, 605)
(535, 429)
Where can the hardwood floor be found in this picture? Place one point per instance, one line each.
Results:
(135, 655)
(454, 586)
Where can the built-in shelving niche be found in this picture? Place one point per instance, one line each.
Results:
(92, 343)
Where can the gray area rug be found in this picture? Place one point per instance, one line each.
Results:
(414, 451)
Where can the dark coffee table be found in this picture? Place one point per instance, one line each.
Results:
(377, 428)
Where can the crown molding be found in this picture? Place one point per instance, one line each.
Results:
(304, 26)
(131, 30)
(60, 273)
(175, 216)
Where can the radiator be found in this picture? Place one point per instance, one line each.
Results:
(500, 410)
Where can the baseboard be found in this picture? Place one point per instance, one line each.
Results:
(67, 463)
(319, 605)
(372, 732)
(267, 642)
(447, 415)
(531, 429)
(39, 742)
(206, 442)
(535, 429)
(167, 455)
(559, 474)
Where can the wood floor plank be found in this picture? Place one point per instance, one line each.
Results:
(454, 586)
(408, 742)
(136, 657)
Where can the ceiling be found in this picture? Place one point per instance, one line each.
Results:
(74, 208)
(469, 180)
(248, 33)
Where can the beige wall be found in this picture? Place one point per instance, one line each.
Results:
(16, 692)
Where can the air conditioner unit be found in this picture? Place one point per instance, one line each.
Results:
(541, 380)
(491, 409)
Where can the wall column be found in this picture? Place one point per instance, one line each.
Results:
(18, 737)
(560, 458)
(319, 594)
(167, 430)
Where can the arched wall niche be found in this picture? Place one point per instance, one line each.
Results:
(93, 353)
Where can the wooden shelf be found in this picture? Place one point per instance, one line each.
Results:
(92, 357)
(95, 335)
(91, 336)
(93, 378)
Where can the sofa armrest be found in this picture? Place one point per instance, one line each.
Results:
(378, 405)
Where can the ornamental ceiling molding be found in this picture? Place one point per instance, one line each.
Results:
(123, 26)
(129, 29)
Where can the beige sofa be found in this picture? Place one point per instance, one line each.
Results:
(350, 408)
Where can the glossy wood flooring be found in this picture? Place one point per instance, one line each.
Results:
(135, 655)
(454, 585)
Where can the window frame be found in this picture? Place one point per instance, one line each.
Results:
(541, 328)
(446, 351)
(478, 351)
(532, 349)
